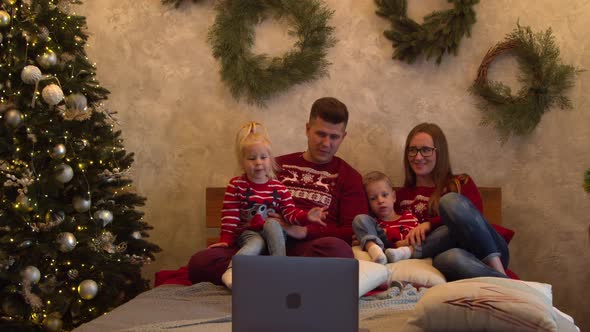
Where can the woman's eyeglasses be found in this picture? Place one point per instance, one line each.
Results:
(425, 151)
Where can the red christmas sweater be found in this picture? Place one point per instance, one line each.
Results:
(399, 228)
(246, 204)
(335, 185)
(415, 199)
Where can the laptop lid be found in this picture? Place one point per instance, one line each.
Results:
(288, 294)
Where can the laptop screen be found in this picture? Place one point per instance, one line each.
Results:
(272, 293)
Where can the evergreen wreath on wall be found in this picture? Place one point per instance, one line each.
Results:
(440, 33)
(176, 3)
(257, 77)
(543, 77)
(587, 181)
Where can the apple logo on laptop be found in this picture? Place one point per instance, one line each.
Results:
(293, 301)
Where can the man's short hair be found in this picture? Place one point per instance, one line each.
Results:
(330, 110)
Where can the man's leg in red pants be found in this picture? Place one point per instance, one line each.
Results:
(321, 247)
(209, 264)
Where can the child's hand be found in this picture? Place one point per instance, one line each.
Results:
(219, 245)
(317, 215)
(402, 243)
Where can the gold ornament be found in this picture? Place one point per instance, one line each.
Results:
(47, 59)
(4, 18)
(9, 2)
(58, 151)
(31, 274)
(67, 241)
(81, 204)
(88, 289)
(52, 323)
(13, 118)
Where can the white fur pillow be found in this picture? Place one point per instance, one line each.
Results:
(483, 304)
(371, 275)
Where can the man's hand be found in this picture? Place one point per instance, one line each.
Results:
(418, 234)
(294, 231)
(219, 245)
(317, 215)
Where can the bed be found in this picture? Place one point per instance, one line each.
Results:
(418, 297)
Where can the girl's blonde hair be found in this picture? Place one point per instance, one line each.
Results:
(254, 133)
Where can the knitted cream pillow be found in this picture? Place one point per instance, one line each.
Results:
(483, 304)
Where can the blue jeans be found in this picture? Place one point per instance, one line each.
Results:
(253, 243)
(365, 229)
(475, 239)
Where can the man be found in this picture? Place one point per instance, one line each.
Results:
(315, 178)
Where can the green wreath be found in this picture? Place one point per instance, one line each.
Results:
(544, 80)
(256, 76)
(440, 33)
(587, 181)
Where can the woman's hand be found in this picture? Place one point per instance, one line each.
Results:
(219, 245)
(418, 234)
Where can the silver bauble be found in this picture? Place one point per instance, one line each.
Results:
(58, 151)
(4, 18)
(13, 118)
(52, 94)
(31, 274)
(67, 241)
(103, 216)
(136, 235)
(52, 323)
(47, 59)
(88, 289)
(81, 204)
(72, 274)
(31, 74)
(63, 173)
(77, 102)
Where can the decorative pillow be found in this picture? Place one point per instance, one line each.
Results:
(371, 275)
(416, 271)
(483, 304)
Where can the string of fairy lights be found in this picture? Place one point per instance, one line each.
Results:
(65, 149)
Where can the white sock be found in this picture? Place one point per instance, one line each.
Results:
(398, 254)
(377, 254)
(226, 278)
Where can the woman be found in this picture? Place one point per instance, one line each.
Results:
(450, 209)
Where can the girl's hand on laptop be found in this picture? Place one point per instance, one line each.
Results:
(318, 215)
(219, 245)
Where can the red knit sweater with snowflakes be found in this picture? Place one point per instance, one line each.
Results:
(335, 185)
(244, 200)
(415, 199)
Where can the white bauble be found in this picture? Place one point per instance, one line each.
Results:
(31, 74)
(52, 94)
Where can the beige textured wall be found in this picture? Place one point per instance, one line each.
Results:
(179, 119)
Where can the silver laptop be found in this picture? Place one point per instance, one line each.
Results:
(294, 294)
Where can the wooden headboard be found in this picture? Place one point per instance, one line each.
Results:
(491, 196)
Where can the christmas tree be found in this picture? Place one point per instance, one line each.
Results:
(72, 242)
